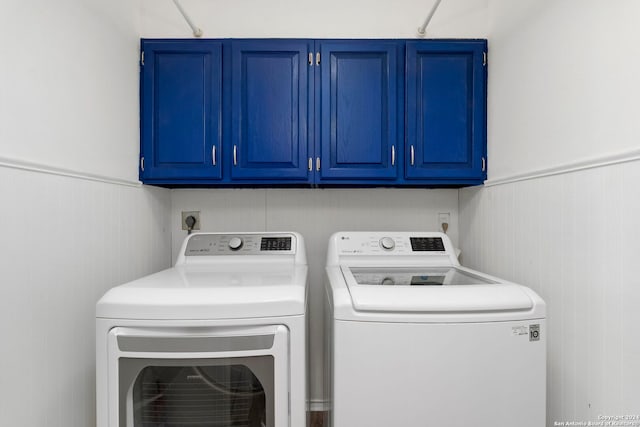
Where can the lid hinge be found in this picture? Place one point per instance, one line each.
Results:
(142, 58)
(142, 164)
(484, 164)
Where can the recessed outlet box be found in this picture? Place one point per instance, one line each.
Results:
(187, 214)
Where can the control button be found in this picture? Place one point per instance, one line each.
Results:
(235, 243)
(387, 243)
(388, 281)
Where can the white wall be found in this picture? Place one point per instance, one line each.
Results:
(316, 214)
(73, 220)
(563, 82)
(562, 78)
(69, 96)
(314, 19)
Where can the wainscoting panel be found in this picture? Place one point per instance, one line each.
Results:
(575, 239)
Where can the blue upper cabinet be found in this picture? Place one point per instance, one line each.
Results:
(181, 110)
(446, 111)
(313, 112)
(359, 110)
(270, 94)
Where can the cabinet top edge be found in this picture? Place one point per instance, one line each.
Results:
(179, 40)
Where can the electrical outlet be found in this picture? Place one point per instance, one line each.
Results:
(186, 214)
(444, 218)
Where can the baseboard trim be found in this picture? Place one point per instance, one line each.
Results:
(614, 159)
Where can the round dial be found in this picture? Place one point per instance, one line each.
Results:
(387, 243)
(235, 243)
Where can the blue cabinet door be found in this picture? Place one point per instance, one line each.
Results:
(358, 118)
(181, 122)
(446, 104)
(270, 93)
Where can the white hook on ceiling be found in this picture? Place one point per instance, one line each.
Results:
(423, 29)
(197, 32)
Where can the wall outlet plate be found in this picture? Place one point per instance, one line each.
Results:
(195, 214)
(444, 218)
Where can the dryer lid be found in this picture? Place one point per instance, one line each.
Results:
(431, 290)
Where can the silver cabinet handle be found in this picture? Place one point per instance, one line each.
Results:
(317, 163)
(413, 156)
(235, 155)
(213, 155)
(310, 164)
(393, 155)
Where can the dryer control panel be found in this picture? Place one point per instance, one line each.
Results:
(240, 244)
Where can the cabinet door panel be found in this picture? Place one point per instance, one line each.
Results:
(358, 110)
(358, 103)
(445, 110)
(270, 109)
(181, 110)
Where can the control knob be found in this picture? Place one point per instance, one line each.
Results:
(387, 243)
(235, 243)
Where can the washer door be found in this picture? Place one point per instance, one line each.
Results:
(215, 378)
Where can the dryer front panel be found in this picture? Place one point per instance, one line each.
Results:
(173, 377)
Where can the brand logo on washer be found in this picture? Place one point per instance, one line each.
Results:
(534, 332)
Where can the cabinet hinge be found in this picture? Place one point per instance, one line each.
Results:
(484, 164)
(484, 59)
(142, 57)
(317, 58)
(142, 164)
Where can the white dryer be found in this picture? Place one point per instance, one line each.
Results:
(414, 339)
(217, 340)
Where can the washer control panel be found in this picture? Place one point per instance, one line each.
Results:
(389, 244)
(240, 244)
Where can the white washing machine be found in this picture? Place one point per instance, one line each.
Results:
(217, 340)
(414, 339)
